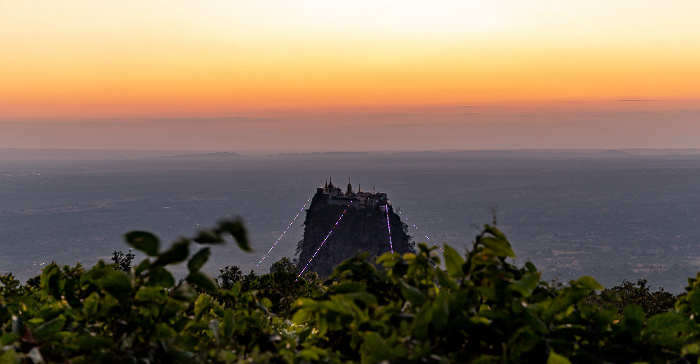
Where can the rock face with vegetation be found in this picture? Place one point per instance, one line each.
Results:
(362, 228)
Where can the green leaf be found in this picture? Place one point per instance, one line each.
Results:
(409, 257)
(670, 329)
(441, 311)
(184, 293)
(8, 338)
(265, 302)
(301, 317)
(198, 260)
(589, 282)
(225, 356)
(44, 331)
(453, 262)
(91, 304)
(555, 358)
(367, 299)
(50, 281)
(215, 328)
(374, 348)
(691, 349)
(143, 241)
(145, 264)
(412, 294)
(306, 303)
(151, 294)
(108, 303)
(115, 282)
(236, 289)
(228, 323)
(446, 281)
(419, 326)
(388, 260)
(202, 303)
(207, 236)
(499, 247)
(237, 229)
(312, 354)
(177, 253)
(202, 280)
(633, 318)
(495, 232)
(159, 276)
(10, 356)
(526, 284)
(164, 331)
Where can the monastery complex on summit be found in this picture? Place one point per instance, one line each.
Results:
(359, 199)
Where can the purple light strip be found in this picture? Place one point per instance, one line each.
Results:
(284, 232)
(426, 236)
(324, 241)
(388, 227)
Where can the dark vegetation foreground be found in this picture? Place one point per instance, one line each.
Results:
(480, 309)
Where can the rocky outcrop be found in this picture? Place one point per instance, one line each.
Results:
(363, 228)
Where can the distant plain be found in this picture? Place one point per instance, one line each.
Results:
(611, 214)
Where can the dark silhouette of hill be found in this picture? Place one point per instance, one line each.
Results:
(341, 224)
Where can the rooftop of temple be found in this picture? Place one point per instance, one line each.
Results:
(359, 199)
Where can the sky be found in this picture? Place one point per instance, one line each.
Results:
(304, 75)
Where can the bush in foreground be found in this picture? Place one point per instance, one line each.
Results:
(480, 309)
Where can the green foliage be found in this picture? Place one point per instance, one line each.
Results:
(404, 308)
(281, 287)
(107, 314)
(481, 308)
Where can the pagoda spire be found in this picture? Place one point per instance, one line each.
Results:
(349, 191)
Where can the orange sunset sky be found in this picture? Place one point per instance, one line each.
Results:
(349, 75)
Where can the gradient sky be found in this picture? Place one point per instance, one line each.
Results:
(306, 75)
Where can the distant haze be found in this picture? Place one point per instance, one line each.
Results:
(582, 124)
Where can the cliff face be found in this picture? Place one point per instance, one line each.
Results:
(361, 229)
